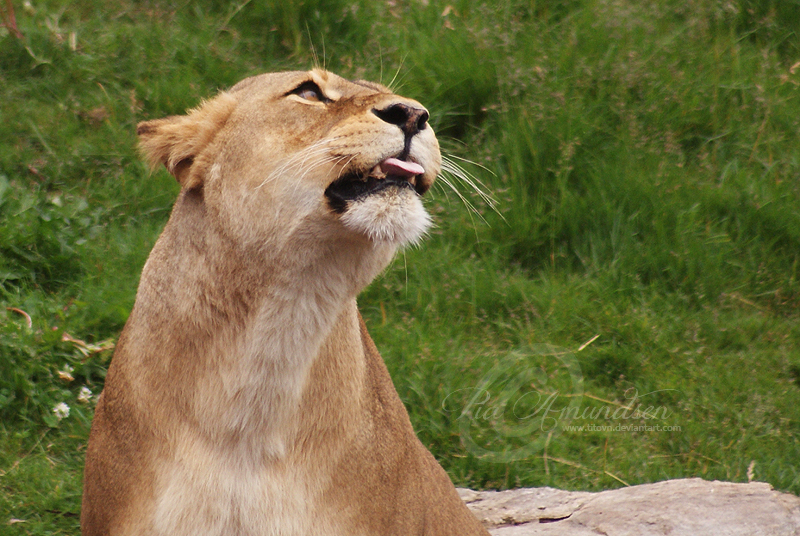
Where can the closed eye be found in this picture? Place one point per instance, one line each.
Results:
(310, 91)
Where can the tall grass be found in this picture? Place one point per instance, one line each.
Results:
(645, 164)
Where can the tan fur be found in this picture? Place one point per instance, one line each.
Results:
(245, 396)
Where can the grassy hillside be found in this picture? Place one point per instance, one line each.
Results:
(628, 313)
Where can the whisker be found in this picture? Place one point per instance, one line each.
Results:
(293, 161)
(298, 180)
(468, 161)
(308, 162)
(469, 179)
(471, 209)
(300, 160)
(453, 173)
(349, 159)
(390, 85)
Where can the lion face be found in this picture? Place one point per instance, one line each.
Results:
(304, 155)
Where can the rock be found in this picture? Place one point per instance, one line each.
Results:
(691, 507)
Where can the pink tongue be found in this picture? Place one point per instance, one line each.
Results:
(393, 166)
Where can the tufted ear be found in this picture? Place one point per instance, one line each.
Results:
(178, 140)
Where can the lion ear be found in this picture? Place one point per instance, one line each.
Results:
(177, 141)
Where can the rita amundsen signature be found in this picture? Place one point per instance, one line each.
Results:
(535, 394)
(483, 406)
(495, 429)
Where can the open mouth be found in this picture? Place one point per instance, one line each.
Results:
(392, 172)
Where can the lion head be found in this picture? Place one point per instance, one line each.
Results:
(294, 155)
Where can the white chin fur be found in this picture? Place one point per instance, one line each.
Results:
(390, 216)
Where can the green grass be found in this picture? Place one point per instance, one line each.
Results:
(644, 251)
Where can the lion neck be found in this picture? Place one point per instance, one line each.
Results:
(244, 328)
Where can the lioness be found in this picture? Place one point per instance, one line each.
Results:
(245, 396)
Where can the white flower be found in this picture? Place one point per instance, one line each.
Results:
(61, 410)
(84, 395)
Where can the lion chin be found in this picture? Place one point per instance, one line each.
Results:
(245, 395)
(392, 215)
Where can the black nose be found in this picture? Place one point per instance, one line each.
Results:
(410, 119)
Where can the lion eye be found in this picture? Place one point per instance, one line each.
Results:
(310, 92)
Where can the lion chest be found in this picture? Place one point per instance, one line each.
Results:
(218, 493)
